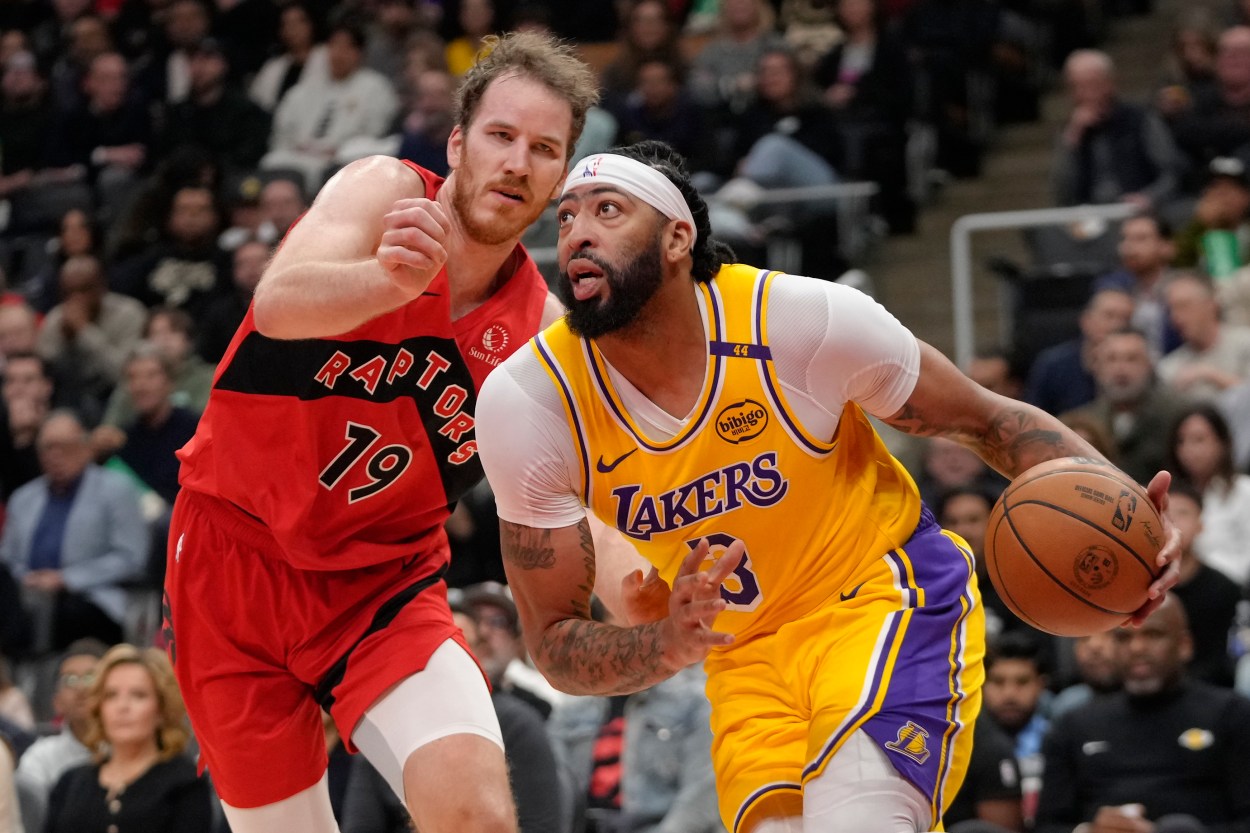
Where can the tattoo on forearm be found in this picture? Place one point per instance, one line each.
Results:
(1015, 438)
(581, 604)
(592, 658)
(526, 547)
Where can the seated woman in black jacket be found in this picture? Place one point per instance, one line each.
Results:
(141, 780)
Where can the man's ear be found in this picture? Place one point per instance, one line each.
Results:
(455, 146)
(678, 240)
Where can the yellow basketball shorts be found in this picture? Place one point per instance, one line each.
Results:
(898, 654)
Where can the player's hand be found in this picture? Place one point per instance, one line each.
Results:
(1126, 819)
(644, 600)
(413, 246)
(694, 604)
(1169, 558)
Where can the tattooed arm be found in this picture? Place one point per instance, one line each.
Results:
(1011, 436)
(552, 573)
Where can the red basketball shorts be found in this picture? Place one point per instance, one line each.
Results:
(259, 647)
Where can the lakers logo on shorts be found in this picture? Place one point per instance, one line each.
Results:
(912, 741)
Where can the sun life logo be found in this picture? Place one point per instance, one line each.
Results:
(495, 339)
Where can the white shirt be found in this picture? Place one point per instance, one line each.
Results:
(47, 759)
(830, 344)
(325, 114)
(1224, 542)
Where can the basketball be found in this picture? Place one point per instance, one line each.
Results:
(1071, 546)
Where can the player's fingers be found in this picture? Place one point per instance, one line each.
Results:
(726, 564)
(702, 611)
(399, 255)
(1166, 580)
(1142, 613)
(429, 217)
(691, 563)
(1157, 489)
(653, 578)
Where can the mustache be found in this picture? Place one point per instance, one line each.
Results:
(512, 183)
(593, 258)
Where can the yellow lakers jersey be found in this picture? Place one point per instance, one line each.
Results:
(811, 511)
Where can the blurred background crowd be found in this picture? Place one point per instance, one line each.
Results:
(153, 152)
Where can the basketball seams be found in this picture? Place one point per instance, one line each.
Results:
(1063, 510)
(1001, 585)
(1041, 566)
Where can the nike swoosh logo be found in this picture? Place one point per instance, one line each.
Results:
(430, 294)
(846, 597)
(606, 468)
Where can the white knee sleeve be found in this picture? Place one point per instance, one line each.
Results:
(860, 792)
(308, 811)
(449, 697)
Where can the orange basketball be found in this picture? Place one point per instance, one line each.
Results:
(1071, 546)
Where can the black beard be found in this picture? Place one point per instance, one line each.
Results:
(631, 287)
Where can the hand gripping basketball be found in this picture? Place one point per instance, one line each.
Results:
(413, 246)
(1169, 559)
(694, 604)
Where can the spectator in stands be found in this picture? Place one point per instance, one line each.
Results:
(659, 108)
(1200, 452)
(386, 43)
(948, 465)
(477, 20)
(994, 370)
(1016, 699)
(640, 761)
(172, 332)
(989, 800)
(48, 758)
(1203, 588)
(1098, 669)
(1061, 377)
(185, 269)
(108, 137)
(86, 38)
(1164, 754)
(73, 536)
(78, 235)
(86, 337)
(144, 222)
(282, 202)
(26, 116)
(216, 115)
(303, 59)
(1110, 150)
(1215, 124)
(427, 127)
(223, 316)
(314, 120)
(140, 779)
(1131, 406)
(159, 428)
(722, 75)
(167, 76)
(27, 393)
(867, 81)
(137, 27)
(648, 33)
(19, 329)
(14, 706)
(501, 648)
(51, 29)
(1217, 239)
(1146, 252)
(1213, 356)
(1191, 74)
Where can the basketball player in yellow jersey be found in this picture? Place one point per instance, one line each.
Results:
(716, 415)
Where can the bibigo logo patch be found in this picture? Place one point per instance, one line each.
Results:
(742, 421)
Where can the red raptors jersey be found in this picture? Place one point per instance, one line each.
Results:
(350, 449)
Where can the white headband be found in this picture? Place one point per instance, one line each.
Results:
(634, 178)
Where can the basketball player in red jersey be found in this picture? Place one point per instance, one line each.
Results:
(306, 548)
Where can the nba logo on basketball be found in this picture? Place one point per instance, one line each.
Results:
(1095, 568)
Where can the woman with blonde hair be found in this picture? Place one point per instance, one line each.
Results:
(140, 780)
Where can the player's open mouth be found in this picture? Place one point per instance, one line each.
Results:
(512, 196)
(586, 278)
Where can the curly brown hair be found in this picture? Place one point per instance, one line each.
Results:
(172, 734)
(530, 55)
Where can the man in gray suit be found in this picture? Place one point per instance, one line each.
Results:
(73, 535)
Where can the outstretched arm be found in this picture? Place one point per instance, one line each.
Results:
(1013, 437)
(370, 243)
(552, 574)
